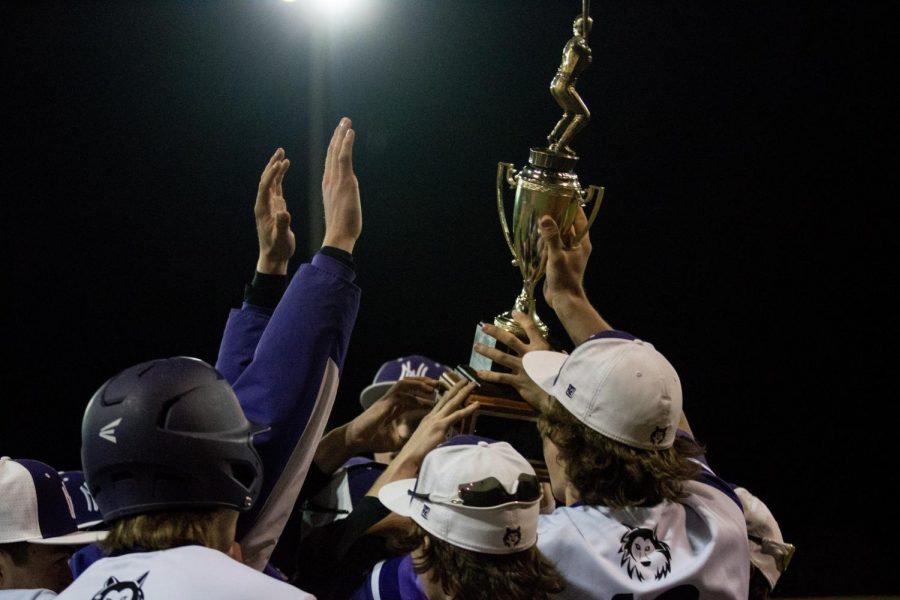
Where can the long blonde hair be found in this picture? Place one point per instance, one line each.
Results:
(170, 529)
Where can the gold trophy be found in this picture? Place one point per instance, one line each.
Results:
(547, 185)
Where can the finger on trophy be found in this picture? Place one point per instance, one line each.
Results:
(497, 377)
(504, 337)
(498, 356)
(532, 332)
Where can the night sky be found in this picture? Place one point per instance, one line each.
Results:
(749, 152)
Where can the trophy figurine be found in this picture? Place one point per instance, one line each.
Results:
(547, 185)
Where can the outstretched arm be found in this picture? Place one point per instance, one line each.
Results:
(447, 412)
(245, 326)
(291, 383)
(380, 428)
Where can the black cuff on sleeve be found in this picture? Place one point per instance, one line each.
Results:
(265, 290)
(338, 254)
(316, 480)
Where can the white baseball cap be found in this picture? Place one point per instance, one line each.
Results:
(768, 551)
(621, 388)
(483, 497)
(35, 506)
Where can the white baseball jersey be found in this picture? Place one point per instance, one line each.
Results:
(188, 573)
(38, 594)
(696, 548)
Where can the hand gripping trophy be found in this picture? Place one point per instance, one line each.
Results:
(547, 185)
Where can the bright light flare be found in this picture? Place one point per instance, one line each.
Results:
(334, 10)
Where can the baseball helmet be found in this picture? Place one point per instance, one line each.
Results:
(168, 434)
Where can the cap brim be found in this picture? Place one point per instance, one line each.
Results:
(395, 496)
(543, 366)
(369, 395)
(79, 538)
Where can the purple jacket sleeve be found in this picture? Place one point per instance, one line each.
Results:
(279, 387)
(243, 330)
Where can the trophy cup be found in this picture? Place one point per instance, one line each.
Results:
(547, 185)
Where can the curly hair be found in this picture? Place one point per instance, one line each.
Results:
(608, 473)
(470, 575)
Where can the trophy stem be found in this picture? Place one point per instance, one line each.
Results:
(525, 303)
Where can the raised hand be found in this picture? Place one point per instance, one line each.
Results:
(389, 422)
(529, 390)
(567, 256)
(340, 191)
(273, 221)
(433, 429)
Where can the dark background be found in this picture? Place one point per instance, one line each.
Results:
(748, 150)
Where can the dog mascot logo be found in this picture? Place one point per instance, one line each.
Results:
(122, 590)
(644, 556)
(512, 537)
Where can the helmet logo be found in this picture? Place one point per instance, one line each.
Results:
(108, 431)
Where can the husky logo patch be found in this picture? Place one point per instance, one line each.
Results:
(512, 537)
(122, 590)
(570, 391)
(644, 556)
(658, 435)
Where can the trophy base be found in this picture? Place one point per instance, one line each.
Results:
(502, 416)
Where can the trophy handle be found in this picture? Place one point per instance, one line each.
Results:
(505, 175)
(595, 194)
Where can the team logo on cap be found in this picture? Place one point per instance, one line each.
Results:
(88, 498)
(644, 556)
(570, 391)
(406, 370)
(114, 589)
(658, 435)
(425, 510)
(512, 537)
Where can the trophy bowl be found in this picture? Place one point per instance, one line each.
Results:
(547, 185)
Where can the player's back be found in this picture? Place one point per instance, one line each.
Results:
(187, 573)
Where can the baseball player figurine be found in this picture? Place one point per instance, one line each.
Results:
(576, 58)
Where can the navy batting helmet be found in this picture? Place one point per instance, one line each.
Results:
(168, 434)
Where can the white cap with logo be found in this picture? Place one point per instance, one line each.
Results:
(621, 388)
(483, 497)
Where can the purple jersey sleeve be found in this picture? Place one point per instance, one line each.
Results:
(243, 330)
(392, 579)
(280, 385)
